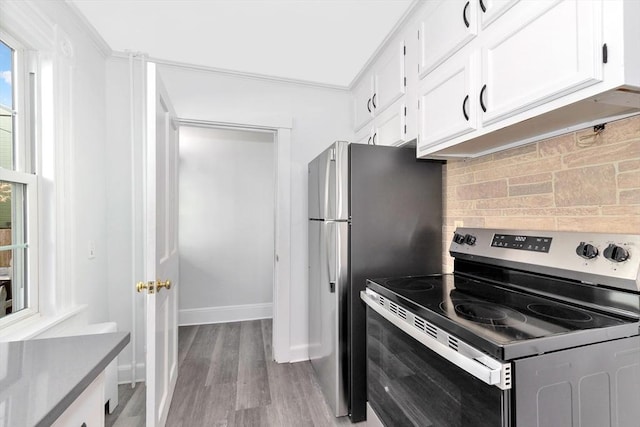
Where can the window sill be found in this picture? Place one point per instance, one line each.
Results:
(37, 326)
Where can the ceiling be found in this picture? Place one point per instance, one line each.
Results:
(324, 42)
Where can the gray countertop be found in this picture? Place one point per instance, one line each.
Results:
(40, 378)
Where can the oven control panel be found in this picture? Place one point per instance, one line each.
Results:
(522, 242)
(598, 258)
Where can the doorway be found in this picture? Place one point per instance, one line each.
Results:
(226, 224)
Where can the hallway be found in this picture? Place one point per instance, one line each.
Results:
(227, 378)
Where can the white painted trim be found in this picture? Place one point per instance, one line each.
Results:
(299, 353)
(238, 121)
(224, 71)
(229, 313)
(39, 326)
(99, 42)
(282, 267)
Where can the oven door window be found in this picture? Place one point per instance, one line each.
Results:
(409, 385)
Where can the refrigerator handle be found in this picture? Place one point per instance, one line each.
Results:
(330, 252)
(339, 178)
(327, 180)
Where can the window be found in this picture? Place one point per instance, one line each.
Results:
(18, 185)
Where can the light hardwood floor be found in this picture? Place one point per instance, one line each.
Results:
(226, 377)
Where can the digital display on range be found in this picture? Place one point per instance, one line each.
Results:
(525, 243)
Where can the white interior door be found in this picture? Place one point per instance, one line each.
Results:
(161, 255)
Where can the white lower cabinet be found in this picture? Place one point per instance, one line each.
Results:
(88, 409)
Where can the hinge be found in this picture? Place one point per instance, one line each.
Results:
(405, 82)
(405, 111)
(418, 104)
(332, 155)
(404, 50)
(405, 129)
(605, 54)
(418, 34)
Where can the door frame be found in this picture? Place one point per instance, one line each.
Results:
(281, 129)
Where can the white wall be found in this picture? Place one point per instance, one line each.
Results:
(226, 225)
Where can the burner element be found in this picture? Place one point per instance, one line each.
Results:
(410, 284)
(559, 312)
(486, 313)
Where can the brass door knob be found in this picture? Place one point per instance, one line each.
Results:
(140, 286)
(160, 284)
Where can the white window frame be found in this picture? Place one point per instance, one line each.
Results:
(47, 52)
(24, 129)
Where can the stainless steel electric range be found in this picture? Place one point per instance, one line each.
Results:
(532, 329)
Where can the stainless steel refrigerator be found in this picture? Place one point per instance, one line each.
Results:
(374, 211)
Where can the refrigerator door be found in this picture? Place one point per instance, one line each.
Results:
(328, 184)
(396, 230)
(328, 245)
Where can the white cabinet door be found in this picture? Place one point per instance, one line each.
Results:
(554, 52)
(490, 10)
(389, 77)
(364, 135)
(390, 126)
(444, 30)
(87, 409)
(446, 99)
(362, 107)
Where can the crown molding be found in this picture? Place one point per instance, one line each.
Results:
(404, 19)
(233, 73)
(99, 42)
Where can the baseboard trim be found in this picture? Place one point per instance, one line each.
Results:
(299, 353)
(124, 373)
(230, 313)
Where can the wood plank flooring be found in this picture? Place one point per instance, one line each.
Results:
(226, 377)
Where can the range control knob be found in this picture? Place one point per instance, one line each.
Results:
(470, 239)
(616, 253)
(587, 250)
(458, 238)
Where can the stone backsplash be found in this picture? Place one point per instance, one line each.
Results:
(581, 181)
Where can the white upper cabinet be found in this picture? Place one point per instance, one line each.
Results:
(389, 77)
(480, 76)
(536, 69)
(490, 10)
(362, 108)
(388, 127)
(444, 30)
(380, 87)
(549, 49)
(445, 102)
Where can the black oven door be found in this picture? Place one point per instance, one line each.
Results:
(410, 385)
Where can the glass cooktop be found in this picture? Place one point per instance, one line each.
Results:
(500, 321)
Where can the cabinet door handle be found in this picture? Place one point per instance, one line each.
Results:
(464, 108)
(373, 100)
(484, 107)
(369, 105)
(464, 15)
(374, 138)
(482, 6)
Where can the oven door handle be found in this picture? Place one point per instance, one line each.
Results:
(476, 363)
